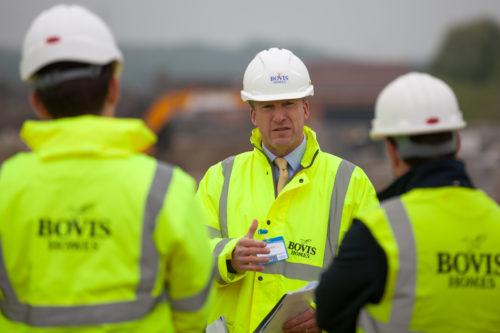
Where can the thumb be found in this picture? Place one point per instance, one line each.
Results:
(252, 229)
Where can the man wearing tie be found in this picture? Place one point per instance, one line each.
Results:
(301, 198)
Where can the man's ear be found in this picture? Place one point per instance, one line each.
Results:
(113, 91)
(398, 165)
(38, 107)
(392, 153)
(252, 117)
(459, 143)
(306, 109)
(112, 98)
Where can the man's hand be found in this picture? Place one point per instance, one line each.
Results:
(304, 322)
(244, 258)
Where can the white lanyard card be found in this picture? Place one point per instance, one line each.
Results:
(278, 250)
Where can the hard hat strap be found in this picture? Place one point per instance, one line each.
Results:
(409, 149)
(57, 77)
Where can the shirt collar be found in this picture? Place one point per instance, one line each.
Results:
(293, 158)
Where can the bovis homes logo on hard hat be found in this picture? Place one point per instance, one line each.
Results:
(278, 78)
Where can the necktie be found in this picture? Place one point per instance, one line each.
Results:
(283, 179)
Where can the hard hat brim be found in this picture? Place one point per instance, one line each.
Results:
(380, 135)
(245, 96)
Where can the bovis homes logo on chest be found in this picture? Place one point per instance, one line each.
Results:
(472, 267)
(79, 229)
(303, 248)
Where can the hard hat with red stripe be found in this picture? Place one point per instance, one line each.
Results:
(414, 104)
(67, 33)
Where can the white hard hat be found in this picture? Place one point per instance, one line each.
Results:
(67, 33)
(276, 74)
(413, 104)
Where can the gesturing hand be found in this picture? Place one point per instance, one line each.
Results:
(244, 254)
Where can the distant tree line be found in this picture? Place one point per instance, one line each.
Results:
(469, 60)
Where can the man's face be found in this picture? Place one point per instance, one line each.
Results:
(281, 123)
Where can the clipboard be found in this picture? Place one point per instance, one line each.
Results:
(218, 326)
(290, 305)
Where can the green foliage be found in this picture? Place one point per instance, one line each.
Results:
(470, 53)
(469, 61)
(479, 103)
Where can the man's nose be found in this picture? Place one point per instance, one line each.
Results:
(279, 114)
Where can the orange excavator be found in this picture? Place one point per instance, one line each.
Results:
(190, 101)
(196, 100)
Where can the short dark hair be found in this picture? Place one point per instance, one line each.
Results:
(432, 139)
(74, 97)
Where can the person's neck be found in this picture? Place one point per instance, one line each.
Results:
(284, 152)
(108, 111)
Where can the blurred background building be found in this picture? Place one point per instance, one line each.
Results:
(184, 64)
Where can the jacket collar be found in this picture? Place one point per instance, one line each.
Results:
(86, 135)
(438, 173)
(312, 147)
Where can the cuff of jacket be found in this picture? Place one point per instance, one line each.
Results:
(224, 276)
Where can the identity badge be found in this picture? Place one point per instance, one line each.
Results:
(278, 250)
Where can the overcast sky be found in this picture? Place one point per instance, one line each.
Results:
(362, 29)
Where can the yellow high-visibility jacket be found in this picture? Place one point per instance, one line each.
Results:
(96, 237)
(312, 213)
(443, 258)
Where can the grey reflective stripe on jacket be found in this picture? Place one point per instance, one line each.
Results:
(216, 252)
(213, 233)
(227, 168)
(90, 314)
(405, 288)
(339, 192)
(293, 270)
(289, 269)
(195, 302)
